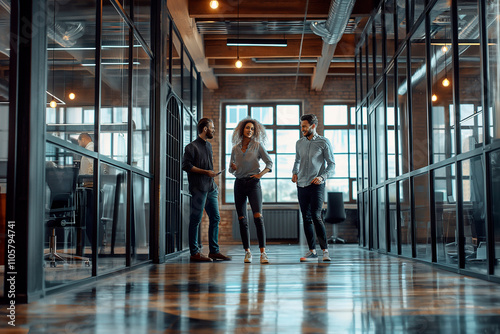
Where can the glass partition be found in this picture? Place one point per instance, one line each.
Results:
(474, 215)
(494, 159)
(393, 218)
(140, 232)
(111, 231)
(469, 51)
(493, 47)
(405, 217)
(381, 211)
(141, 109)
(71, 75)
(445, 211)
(114, 86)
(68, 219)
(176, 64)
(418, 81)
(422, 217)
(402, 128)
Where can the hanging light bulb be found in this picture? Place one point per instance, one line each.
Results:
(214, 4)
(53, 103)
(446, 82)
(71, 96)
(434, 98)
(238, 64)
(444, 49)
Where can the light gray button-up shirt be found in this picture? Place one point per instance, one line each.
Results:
(248, 162)
(310, 159)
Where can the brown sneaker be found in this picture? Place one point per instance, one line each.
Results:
(219, 256)
(198, 257)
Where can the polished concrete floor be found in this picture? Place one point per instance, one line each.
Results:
(358, 292)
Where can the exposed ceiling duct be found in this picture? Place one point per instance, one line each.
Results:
(333, 28)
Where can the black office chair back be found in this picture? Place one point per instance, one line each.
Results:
(335, 212)
(62, 185)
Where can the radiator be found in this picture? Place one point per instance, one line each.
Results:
(279, 224)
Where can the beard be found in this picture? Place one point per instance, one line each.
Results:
(308, 133)
(210, 135)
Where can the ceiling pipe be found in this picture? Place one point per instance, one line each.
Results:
(338, 16)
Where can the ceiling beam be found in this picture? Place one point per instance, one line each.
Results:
(323, 66)
(192, 40)
(291, 9)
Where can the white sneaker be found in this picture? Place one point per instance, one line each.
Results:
(248, 257)
(310, 256)
(263, 258)
(326, 256)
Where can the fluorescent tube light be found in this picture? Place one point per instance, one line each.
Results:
(256, 42)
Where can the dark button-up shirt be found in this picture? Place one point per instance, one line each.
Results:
(199, 154)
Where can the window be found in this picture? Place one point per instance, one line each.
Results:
(339, 124)
(282, 122)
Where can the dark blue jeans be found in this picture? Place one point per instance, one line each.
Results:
(249, 188)
(311, 200)
(204, 200)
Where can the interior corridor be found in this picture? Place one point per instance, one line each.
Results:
(358, 292)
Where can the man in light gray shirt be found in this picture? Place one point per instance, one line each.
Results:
(310, 174)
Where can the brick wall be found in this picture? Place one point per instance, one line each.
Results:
(254, 89)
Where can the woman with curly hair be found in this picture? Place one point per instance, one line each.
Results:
(248, 139)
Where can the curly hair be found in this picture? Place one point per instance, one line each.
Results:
(259, 134)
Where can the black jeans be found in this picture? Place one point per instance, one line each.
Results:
(311, 200)
(243, 188)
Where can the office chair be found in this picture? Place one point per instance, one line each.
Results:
(335, 214)
(61, 211)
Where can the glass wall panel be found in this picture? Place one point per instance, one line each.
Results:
(165, 46)
(176, 65)
(443, 116)
(495, 210)
(375, 220)
(379, 43)
(142, 18)
(186, 121)
(393, 218)
(359, 148)
(416, 9)
(366, 163)
(140, 232)
(366, 218)
(422, 216)
(390, 128)
(401, 22)
(390, 37)
(493, 28)
(446, 215)
(68, 219)
(380, 142)
(114, 85)
(471, 108)
(194, 92)
(381, 211)
(4, 135)
(186, 80)
(359, 82)
(141, 109)
(405, 217)
(370, 61)
(361, 74)
(402, 128)
(474, 214)
(419, 146)
(111, 233)
(71, 79)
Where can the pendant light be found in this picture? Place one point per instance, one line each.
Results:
(71, 94)
(238, 62)
(214, 4)
(445, 81)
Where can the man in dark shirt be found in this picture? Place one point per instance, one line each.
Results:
(198, 163)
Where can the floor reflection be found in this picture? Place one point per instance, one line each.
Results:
(358, 292)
